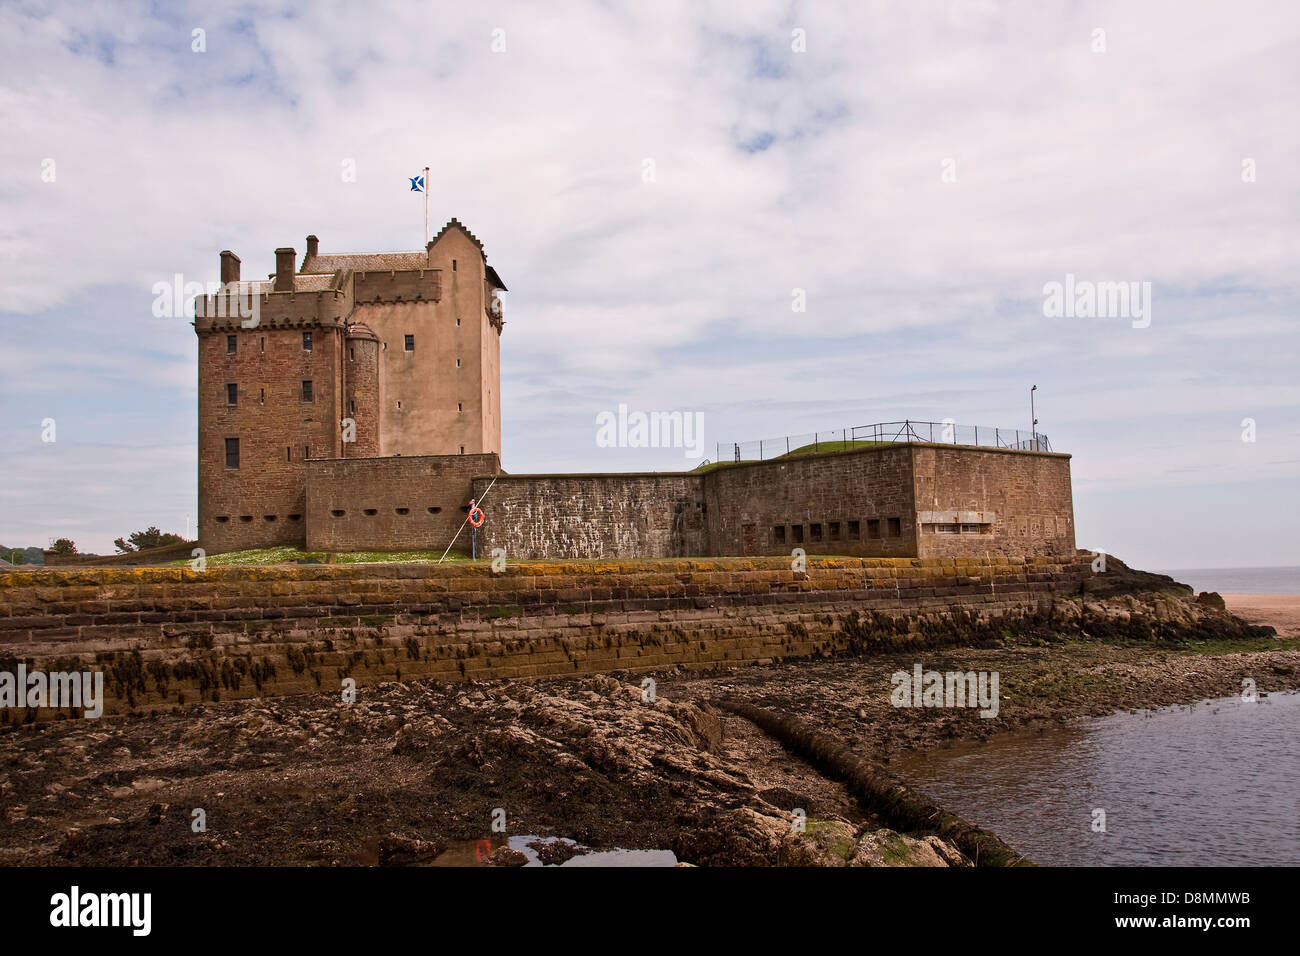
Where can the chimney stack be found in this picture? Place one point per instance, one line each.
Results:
(229, 267)
(284, 270)
(312, 244)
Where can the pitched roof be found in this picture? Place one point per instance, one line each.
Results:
(364, 262)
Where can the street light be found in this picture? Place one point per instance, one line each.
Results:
(1033, 429)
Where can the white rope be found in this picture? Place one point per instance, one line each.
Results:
(466, 521)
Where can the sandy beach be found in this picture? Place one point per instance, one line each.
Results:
(1282, 611)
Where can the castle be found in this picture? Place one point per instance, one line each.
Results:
(357, 406)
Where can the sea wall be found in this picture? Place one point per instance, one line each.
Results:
(168, 636)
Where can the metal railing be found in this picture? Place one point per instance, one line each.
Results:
(840, 439)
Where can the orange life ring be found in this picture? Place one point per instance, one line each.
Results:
(475, 512)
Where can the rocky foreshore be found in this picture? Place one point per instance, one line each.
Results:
(412, 773)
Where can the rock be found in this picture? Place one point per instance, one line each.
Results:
(397, 850)
(504, 856)
(888, 848)
(555, 852)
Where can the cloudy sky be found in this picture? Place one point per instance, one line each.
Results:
(653, 181)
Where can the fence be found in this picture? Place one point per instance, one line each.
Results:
(840, 439)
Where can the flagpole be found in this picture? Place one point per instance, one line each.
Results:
(426, 205)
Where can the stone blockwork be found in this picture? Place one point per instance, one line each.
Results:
(168, 636)
(857, 503)
(594, 516)
(904, 500)
(391, 504)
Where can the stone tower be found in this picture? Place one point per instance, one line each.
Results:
(348, 356)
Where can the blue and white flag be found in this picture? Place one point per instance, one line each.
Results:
(417, 184)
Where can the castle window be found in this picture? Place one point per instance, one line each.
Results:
(288, 453)
(232, 452)
(403, 511)
(352, 354)
(371, 512)
(268, 517)
(453, 265)
(458, 322)
(306, 391)
(873, 527)
(352, 406)
(338, 514)
(460, 406)
(435, 510)
(972, 529)
(306, 341)
(815, 532)
(263, 344)
(778, 534)
(462, 449)
(261, 398)
(222, 519)
(295, 517)
(458, 363)
(232, 393)
(306, 452)
(797, 532)
(855, 530)
(409, 342)
(232, 344)
(895, 527)
(835, 531)
(947, 529)
(245, 518)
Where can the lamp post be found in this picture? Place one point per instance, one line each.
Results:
(1033, 428)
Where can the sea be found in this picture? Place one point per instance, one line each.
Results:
(1281, 580)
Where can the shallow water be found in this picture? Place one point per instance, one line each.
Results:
(474, 853)
(1214, 783)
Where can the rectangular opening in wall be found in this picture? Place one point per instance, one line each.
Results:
(778, 534)
(232, 393)
(855, 530)
(815, 532)
(835, 530)
(895, 527)
(232, 452)
(797, 531)
(460, 406)
(231, 344)
(261, 396)
(288, 453)
(262, 344)
(409, 342)
(307, 391)
(873, 527)
(306, 452)
(462, 449)
(306, 341)
(947, 529)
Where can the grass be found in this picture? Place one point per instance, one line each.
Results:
(289, 554)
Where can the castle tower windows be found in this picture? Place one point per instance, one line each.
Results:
(232, 452)
(232, 344)
(306, 341)
(409, 341)
(307, 395)
(232, 393)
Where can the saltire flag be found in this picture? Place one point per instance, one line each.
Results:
(417, 184)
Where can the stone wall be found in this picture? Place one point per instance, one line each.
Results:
(167, 636)
(593, 516)
(855, 502)
(1027, 493)
(391, 504)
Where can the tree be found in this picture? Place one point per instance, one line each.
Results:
(151, 537)
(64, 546)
